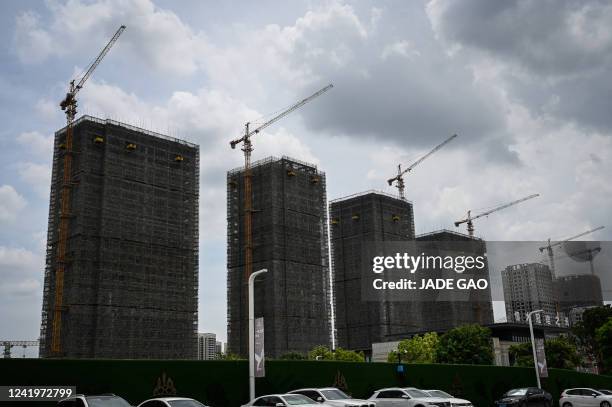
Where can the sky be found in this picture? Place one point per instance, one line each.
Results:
(525, 85)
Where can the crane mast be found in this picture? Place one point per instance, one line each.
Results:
(247, 148)
(469, 219)
(69, 106)
(549, 246)
(399, 178)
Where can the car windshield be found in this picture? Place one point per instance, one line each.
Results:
(297, 399)
(185, 403)
(439, 393)
(516, 392)
(608, 392)
(334, 394)
(417, 393)
(106, 401)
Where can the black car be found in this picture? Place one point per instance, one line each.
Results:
(525, 397)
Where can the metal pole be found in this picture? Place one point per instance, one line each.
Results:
(252, 332)
(533, 347)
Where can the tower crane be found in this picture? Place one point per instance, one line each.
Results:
(549, 247)
(399, 178)
(470, 218)
(69, 106)
(247, 148)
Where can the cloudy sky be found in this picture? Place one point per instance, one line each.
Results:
(525, 84)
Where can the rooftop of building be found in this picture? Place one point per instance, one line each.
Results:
(369, 192)
(88, 118)
(425, 235)
(273, 159)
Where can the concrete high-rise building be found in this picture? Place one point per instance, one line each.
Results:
(130, 287)
(289, 235)
(476, 307)
(219, 348)
(355, 221)
(578, 290)
(207, 346)
(529, 287)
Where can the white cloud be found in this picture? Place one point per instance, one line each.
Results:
(11, 203)
(37, 143)
(36, 175)
(154, 35)
(402, 48)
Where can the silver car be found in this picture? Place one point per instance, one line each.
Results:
(282, 400)
(171, 402)
(406, 397)
(584, 397)
(333, 397)
(454, 401)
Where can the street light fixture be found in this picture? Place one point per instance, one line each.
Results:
(533, 346)
(252, 331)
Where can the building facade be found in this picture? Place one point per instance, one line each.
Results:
(457, 309)
(130, 287)
(356, 221)
(207, 346)
(289, 236)
(578, 291)
(529, 287)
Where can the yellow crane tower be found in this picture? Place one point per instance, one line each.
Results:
(69, 105)
(247, 148)
(399, 178)
(550, 245)
(470, 218)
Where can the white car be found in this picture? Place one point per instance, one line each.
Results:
(406, 397)
(171, 402)
(333, 397)
(584, 397)
(282, 400)
(454, 401)
(102, 400)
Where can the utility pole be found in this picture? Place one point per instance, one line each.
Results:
(533, 346)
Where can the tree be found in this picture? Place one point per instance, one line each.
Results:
(603, 336)
(418, 349)
(323, 353)
(320, 352)
(230, 356)
(293, 356)
(592, 319)
(469, 344)
(521, 354)
(561, 353)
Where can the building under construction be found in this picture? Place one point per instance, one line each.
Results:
(131, 267)
(356, 221)
(474, 307)
(289, 238)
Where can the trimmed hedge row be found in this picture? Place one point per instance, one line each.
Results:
(225, 383)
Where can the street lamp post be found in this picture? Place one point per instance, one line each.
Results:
(533, 346)
(252, 332)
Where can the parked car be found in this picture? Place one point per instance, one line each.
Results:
(282, 400)
(525, 397)
(406, 397)
(103, 400)
(333, 397)
(584, 397)
(171, 402)
(454, 401)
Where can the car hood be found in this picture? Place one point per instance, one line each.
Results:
(455, 400)
(506, 400)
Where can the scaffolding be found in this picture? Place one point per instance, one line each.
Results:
(289, 232)
(356, 221)
(131, 281)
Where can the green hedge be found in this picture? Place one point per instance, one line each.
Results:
(225, 383)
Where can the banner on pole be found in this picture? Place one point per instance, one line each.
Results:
(260, 370)
(541, 358)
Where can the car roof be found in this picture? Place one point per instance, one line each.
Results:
(392, 388)
(168, 399)
(315, 388)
